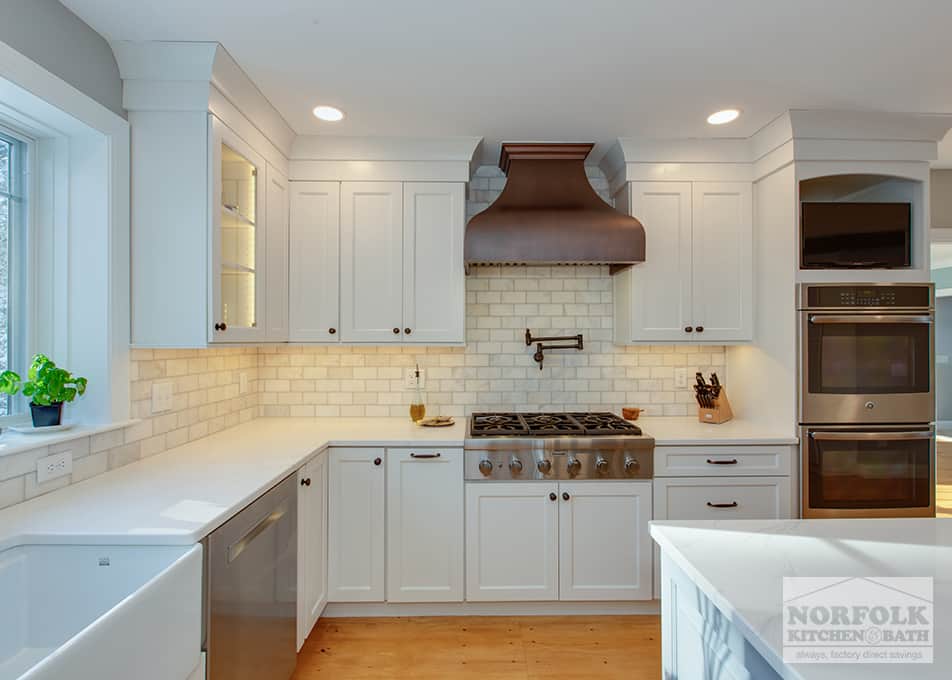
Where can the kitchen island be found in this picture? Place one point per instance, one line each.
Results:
(722, 590)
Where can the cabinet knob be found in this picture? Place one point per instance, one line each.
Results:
(552, 496)
(332, 330)
(396, 331)
(221, 327)
(407, 331)
(688, 329)
(306, 482)
(377, 461)
(565, 495)
(699, 329)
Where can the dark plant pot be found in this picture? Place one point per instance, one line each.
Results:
(46, 416)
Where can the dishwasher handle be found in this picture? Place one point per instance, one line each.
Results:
(239, 546)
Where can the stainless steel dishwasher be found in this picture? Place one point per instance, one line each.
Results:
(251, 590)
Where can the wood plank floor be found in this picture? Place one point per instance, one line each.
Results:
(943, 492)
(488, 648)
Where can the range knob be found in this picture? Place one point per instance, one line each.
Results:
(573, 466)
(544, 466)
(631, 465)
(601, 465)
(515, 466)
(486, 467)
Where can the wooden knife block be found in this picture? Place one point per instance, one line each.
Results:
(721, 412)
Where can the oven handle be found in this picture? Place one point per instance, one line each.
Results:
(871, 318)
(882, 436)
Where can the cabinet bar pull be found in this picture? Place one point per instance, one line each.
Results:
(732, 504)
(425, 455)
(732, 461)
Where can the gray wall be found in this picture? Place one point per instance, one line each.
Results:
(940, 190)
(59, 41)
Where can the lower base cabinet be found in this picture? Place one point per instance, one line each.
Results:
(312, 545)
(424, 525)
(566, 541)
(356, 530)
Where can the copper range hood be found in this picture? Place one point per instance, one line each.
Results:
(548, 214)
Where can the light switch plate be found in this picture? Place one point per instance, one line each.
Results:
(56, 465)
(410, 379)
(242, 383)
(681, 377)
(161, 397)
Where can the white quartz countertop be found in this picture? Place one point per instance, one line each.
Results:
(688, 431)
(740, 566)
(181, 495)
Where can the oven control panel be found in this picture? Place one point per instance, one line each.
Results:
(844, 296)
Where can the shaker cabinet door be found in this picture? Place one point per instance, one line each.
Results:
(434, 294)
(371, 267)
(512, 541)
(660, 302)
(723, 261)
(314, 277)
(424, 525)
(356, 534)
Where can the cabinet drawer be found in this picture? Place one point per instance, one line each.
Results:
(723, 498)
(722, 461)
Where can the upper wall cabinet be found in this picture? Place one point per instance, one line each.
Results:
(314, 269)
(696, 284)
(209, 242)
(209, 236)
(377, 262)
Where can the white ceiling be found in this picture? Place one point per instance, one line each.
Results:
(585, 70)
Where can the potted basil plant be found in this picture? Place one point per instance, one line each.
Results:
(48, 386)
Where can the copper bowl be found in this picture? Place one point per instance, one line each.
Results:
(631, 413)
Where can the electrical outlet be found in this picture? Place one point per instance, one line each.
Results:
(161, 397)
(242, 383)
(54, 466)
(680, 377)
(410, 379)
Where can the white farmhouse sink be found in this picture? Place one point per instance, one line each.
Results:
(86, 612)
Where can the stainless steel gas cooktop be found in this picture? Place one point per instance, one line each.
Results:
(546, 446)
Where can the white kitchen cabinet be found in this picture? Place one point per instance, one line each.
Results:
(356, 525)
(565, 541)
(312, 544)
(723, 281)
(696, 284)
(277, 203)
(434, 288)
(512, 541)
(604, 546)
(722, 498)
(209, 234)
(314, 269)
(371, 262)
(239, 237)
(656, 294)
(424, 525)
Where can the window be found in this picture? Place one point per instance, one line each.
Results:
(13, 221)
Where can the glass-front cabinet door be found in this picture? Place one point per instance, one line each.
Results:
(238, 245)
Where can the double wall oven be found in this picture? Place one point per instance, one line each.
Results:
(867, 400)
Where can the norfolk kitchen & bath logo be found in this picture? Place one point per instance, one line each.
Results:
(857, 620)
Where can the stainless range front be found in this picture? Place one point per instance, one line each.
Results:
(556, 446)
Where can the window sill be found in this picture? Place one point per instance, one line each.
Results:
(15, 442)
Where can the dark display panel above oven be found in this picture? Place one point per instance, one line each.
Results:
(859, 295)
(855, 235)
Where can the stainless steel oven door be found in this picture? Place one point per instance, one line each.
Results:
(867, 368)
(868, 471)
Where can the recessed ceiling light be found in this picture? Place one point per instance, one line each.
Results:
(721, 117)
(328, 113)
